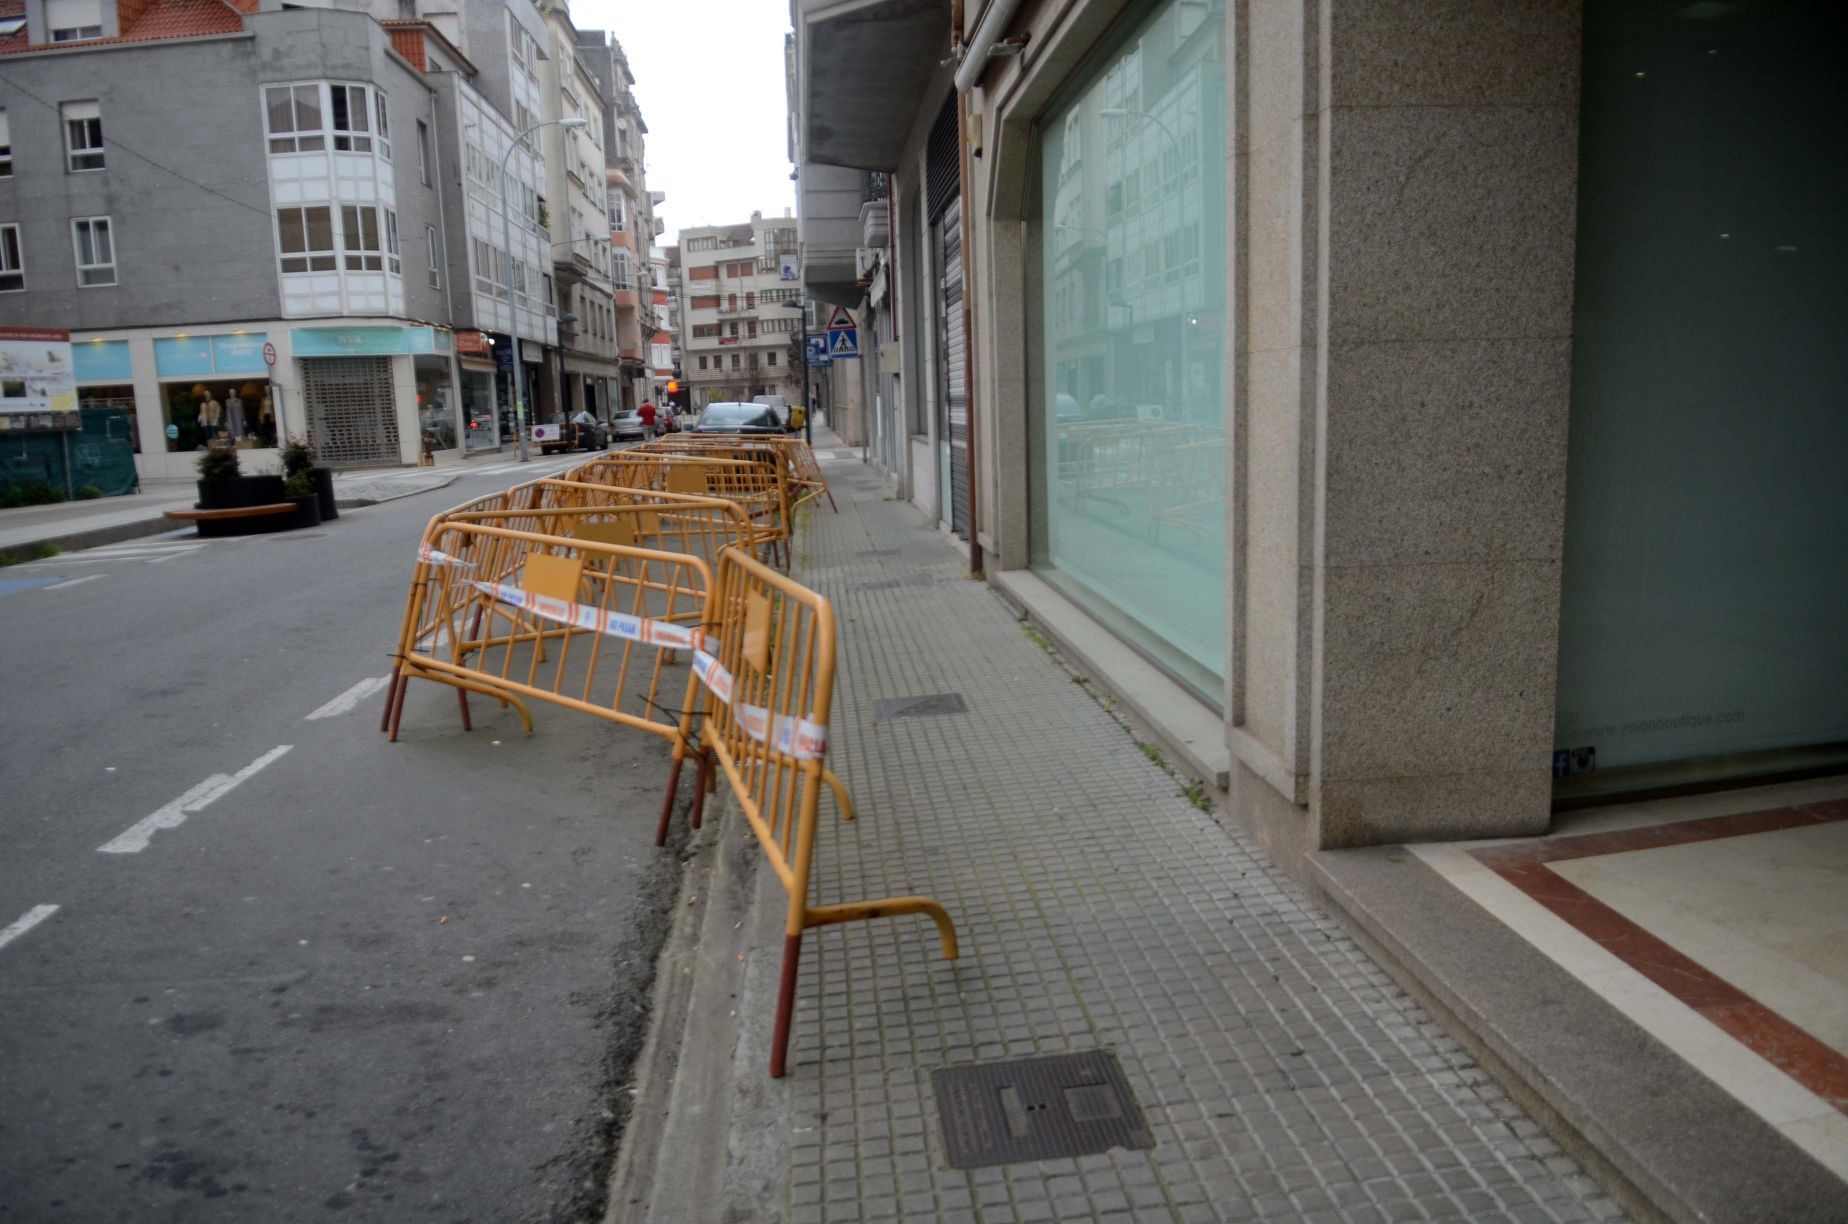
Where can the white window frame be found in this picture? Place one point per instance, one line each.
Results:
(86, 272)
(350, 139)
(361, 246)
(431, 253)
(381, 115)
(393, 263)
(13, 260)
(297, 137)
(6, 146)
(64, 34)
(308, 258)
(82, 119)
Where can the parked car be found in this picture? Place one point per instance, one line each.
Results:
(777, 402)
(567, 436)
(734, 418)
(626, 426)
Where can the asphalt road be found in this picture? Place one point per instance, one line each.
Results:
(369, 981)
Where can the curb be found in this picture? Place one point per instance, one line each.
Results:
(95, 537)
(359, 503)
(700, 1082)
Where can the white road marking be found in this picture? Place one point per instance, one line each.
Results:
(71, 582)
(136, 837)
(344, 703)
(26, 922)
(152, 554)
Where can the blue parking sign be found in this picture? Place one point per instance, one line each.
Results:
(818, 351)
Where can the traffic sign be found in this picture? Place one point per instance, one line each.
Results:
(818, 351)
(269, 355)
(843, 342)
(840, 320)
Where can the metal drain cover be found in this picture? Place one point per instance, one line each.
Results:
(887, 708)
(1038, 1109)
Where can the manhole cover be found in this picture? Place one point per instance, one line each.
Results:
(887, 708)
(1038, 1109)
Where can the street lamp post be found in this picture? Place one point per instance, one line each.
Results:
(513, 309)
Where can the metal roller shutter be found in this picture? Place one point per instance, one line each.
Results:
(351, 415)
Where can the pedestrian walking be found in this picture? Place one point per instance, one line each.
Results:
(647, 413)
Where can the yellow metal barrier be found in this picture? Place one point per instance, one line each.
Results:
(768, 691)
(582, 620)
(756, 481)
(798, 461)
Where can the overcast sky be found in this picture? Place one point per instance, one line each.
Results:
(709, 78)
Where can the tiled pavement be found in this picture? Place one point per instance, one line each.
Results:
(1284, 1076)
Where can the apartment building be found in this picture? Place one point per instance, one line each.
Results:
(242, 278)
(738, 313)
(632, 223)
(661, 344)
(581, 250)
(316, 244)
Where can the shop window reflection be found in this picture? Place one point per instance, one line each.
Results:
(1129, 508)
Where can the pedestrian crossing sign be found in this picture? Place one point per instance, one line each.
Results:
(844, 342)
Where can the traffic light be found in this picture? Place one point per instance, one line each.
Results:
(673, 387)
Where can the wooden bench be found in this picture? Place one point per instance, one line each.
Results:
(229, 512)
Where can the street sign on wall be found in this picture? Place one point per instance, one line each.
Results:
(843, 342)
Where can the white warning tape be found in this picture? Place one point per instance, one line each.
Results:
(796, 737)
(664, 634)
(431, 556)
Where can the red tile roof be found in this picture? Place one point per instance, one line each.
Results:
(160, 19)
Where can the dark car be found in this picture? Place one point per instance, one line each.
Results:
(731, 418)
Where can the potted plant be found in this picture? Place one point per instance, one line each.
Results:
(300, 489)
(298, 458)
(221, 487)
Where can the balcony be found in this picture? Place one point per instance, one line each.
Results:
(862, 73)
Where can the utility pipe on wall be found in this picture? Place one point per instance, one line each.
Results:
(987, 34)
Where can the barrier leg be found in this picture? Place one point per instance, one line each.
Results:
(701, 783)
(785, 1005)
(391, 697)
(397, 705)
(667, 804)
(462, 700)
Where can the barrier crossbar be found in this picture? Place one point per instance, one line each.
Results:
(768, 688)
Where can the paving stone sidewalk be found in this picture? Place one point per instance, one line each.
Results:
(1283, 1074)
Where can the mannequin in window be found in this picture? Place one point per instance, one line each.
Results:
(234, 413)
(211, 415)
